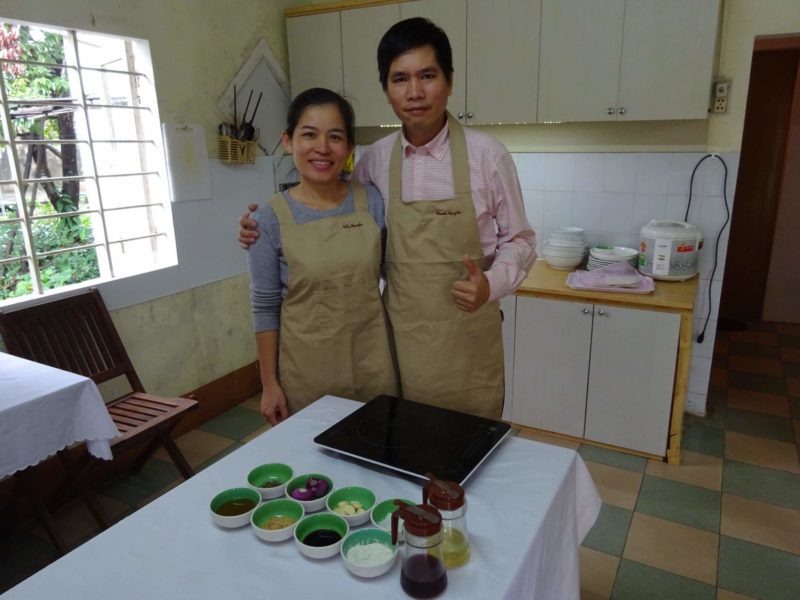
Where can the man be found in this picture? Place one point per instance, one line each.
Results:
(458, 239)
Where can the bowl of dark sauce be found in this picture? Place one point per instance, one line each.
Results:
(320, 535)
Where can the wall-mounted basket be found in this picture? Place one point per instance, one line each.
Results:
(236, 152)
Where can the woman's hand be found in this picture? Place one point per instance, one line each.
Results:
(273, 404)
(248, 228)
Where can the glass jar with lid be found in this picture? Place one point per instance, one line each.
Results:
(449, 499)
(422, 574)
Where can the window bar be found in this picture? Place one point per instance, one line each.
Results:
(147, 236)
(126, 106)
(115, 71)
(33, 63)
(58, 179)
(27, 237)
(129, 174)
(74, 39)
(70, 249)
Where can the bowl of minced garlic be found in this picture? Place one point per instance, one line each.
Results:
(368, 552)
(274, 521)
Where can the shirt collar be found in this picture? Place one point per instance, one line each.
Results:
(437, 147)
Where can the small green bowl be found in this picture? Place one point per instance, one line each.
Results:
(368, 536)
(278, 473)
(239, 520)
(300, 481)
(313, 523)
(352, 494)
(384, 509)
(283, 507)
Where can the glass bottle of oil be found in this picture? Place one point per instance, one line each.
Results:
(449, 498)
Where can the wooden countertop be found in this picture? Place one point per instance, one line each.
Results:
(545, 282)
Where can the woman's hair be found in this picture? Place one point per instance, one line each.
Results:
(321, 97)
(409, 34)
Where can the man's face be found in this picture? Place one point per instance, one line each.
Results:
(418, 90)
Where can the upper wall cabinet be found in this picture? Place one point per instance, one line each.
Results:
(495, 56)
(626, 59)
(315, 52)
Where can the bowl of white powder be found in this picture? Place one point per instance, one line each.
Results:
(368, 552)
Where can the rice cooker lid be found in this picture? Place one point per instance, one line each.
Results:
(670, 229)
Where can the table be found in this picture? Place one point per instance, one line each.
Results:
(529, 506)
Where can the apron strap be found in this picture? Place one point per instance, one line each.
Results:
(282, 211)
(359, 192)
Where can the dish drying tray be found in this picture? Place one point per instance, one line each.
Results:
(645, 285)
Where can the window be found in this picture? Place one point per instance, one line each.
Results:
(83, 189)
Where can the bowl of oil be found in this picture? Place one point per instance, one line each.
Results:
(233, 507)
(320, 535)
(275, 521)
(270, 480)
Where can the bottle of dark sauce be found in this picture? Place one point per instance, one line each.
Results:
(423, 576)
(322, 537)
(423, 573)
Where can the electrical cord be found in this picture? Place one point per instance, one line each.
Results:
(702, 334)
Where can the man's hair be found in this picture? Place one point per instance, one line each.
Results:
(408, 35)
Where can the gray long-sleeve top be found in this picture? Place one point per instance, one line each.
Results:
(269, 272)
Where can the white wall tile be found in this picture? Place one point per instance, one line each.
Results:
(701, 300)
(696, 404)
(530, 170)
(589, 170)
(560, 169)
(617, 212)
(587, 208)
(707, 259)
(647, 207)
(652, 173)
(620, 173)
(533, 201)
(699, 374)
(676, 208)
(616, 238)
(681, 165)
(706, 349)
(712, 215)
(557, 209)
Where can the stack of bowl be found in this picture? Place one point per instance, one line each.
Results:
(565, 249)
(601, 256)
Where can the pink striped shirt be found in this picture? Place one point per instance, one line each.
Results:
(506, 237)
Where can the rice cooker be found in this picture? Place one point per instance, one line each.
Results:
(670, 250)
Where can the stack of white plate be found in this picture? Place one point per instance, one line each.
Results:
(566, 247)
(601, 256)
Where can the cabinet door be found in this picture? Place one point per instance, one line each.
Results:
(502, 61)
(631, 375)
(667, 59)
(450, 15)
(551, 362)
(508, 306)
(579, 60)
(315, 52)
(362, 29)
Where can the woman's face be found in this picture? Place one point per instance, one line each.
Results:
(319, 144)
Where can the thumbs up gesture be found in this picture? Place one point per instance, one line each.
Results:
(473, 292)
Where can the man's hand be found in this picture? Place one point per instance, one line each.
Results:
(248, 229)
(273, 404)
(472, 293)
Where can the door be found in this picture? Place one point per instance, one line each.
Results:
(502, 61)
(551, 363)
(581, 44)
(315, 52)
(362, 29)
(631, 375)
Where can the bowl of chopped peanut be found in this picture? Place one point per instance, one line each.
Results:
(275, 520)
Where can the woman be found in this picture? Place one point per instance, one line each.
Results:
(319, 321)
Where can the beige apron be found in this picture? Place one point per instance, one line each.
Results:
(333, 336)
(446, 357)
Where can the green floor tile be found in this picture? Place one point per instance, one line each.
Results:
(217, 457)
(610, 530)
(636, 581)
(789, 341)
(758, 383)
(743, 349)
(758, 571)
(680, 502)
(132, 488)
(758, 424)
(760, 483)
(705, 440)
(715, 417)
(613, 458)
(235, 423)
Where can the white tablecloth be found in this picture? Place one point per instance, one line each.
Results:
(43, 410)
(529, 506)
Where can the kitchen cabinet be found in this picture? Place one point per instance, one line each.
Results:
(603, 373)
(626, 59)
(315, 51)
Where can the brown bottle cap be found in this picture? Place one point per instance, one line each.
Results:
(422, 520)
(444, 495)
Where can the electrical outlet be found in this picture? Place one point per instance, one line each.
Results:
(719, 102)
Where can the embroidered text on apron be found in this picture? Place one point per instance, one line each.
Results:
(445, 356)
(333, 335)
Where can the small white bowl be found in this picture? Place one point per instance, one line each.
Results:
(562, 262)
(380, 515)
(367, 536)
(349, 494)
(321, 521)
(564, 244)
(241, 519)
(278, 473)
(282, 507)
(309, 505)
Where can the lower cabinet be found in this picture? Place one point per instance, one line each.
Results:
(603, 373)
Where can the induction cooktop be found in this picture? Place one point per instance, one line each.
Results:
(415, 438)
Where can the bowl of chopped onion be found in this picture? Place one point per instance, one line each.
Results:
(274, 521)
(353, 503)
(310, 490)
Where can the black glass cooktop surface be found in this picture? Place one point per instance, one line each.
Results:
(415, 438)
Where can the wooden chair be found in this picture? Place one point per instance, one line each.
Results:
(77, 334)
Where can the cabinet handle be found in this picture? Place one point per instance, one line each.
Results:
(621, 110)
(610, 110)
(601, 312)
(470, 115)
(460, 115)
(586, 311)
